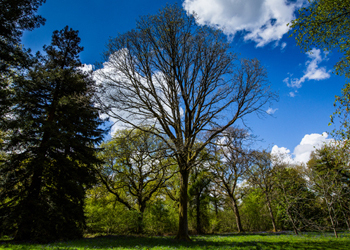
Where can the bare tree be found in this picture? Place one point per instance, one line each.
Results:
(232, 161)
(181, 78)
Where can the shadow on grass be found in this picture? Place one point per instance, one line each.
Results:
(224, 241)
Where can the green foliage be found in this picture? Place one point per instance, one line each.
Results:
(106, 215)
(15, 17)
(199, 197)
(325, 24)
(54, 129)
(329, 176)
(254, 212)
(135, 167)
(341, 114)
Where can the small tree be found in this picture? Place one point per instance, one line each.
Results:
(179, 78)
(261, 174)
(135, 168)
(54, 129)
(329, 179)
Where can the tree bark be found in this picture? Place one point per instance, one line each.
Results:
(236, 212)
(198, 210)
(140, 222)
(271, 214)
(183, 218)
(293, 222)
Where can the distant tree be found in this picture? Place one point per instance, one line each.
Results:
(261, 174)
(232, 153)
(293, 196)
(136, 166)
(180, 79)
(51, 147)
(199, 191)
(328, 175)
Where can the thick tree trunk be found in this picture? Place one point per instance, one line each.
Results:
(236, 212)
(183, 219)
(140, 223)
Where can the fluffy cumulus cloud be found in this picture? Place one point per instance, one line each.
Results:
(263, 21)
(301, 153)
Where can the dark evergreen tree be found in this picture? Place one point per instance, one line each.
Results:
(55, 127)
(15, 17)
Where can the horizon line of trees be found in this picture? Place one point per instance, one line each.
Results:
(232, 189)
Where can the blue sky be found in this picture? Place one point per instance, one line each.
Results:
(256, 29)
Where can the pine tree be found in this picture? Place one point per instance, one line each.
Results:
(55, 128)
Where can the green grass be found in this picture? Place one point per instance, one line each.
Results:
(232, 241)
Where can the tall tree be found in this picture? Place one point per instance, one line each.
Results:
(16, 16)
(179, 78)
(136, 166)
(54, 126)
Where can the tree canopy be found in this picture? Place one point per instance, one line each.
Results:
(181, 79)
(325, 24)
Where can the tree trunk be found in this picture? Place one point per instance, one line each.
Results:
(140, 222)
(293, 222)
(271, 213)
(198, 210)
(238, 217)
(346, 221)
(183, 219)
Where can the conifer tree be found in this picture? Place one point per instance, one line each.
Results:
(54, 130)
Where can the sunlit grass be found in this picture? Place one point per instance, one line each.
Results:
(232, 241)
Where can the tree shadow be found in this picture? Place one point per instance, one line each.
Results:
(198, 242)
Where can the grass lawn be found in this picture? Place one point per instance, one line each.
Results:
(230, 241)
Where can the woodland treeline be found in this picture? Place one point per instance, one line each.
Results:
(180, 165)
(233, 188)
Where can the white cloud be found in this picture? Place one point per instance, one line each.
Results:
(87, 68)
(312, 72)
(120, 113)
(263, 21)
(301, 153)
(271, 111)
(283, 45)
(292, 94)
